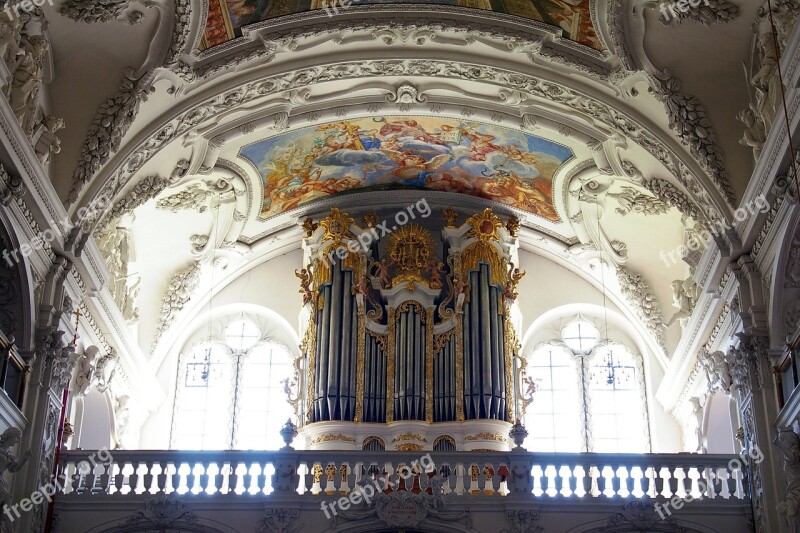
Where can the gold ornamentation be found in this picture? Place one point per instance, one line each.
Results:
(330, 437)
(514, 275)
(390, 367)
(512, 225)
(511, 347)
(330, 472)
(380, 339)
(408, 447)
(309, 226)
(406, 306)
(370, 218)
(446, 438)
(370, 440)
(411, 254)
(304, 275)
(337, 226)
(440, 341)
(317, 473)
(485, 226)
(429, 354)
(311, 352)
(409, 436)
(486, 436)
(362, 334)
(460, 367)
(450, 216)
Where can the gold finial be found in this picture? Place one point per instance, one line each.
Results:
(370, 218)
(309, 226)
(450, 216)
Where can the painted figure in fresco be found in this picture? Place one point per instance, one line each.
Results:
(422, 152)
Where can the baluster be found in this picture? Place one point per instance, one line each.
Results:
(147, 477)
(119, 478)
(500, 480)
(216, 481)
(672, 480)
(89, 480)
(474, 472)
(330, 484)
(616, 480)
(662, 482)
(133, 479)
(161, 478)
(175, 478)
(586, 480)
(536, 478)
(104, 477)
(444, 472)
(263, 478)
(340, 479)
(602, 481)
(460, 472)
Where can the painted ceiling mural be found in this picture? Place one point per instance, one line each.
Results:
(385, 153)
(226, 18)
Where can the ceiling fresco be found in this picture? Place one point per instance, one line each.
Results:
(385, 153)
(226, 18)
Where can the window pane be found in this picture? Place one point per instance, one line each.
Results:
(553, 419)
(618, 411)
(242, 335)
(262, 408)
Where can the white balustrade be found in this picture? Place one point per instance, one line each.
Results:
(316, 474)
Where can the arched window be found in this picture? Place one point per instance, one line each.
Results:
(230, 393)
(590, 395)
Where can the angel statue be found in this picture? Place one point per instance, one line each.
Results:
(8, 461)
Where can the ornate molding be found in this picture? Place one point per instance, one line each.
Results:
(631, 200)
(179, 292)
(639, 296)
(90, 11)
(523, 521)
(162, 512)
(329, 437)
(531, 86)
(106, 131)
(639, 515)
(689, 119)
(707, 13)
(667, 193)
(279, 520)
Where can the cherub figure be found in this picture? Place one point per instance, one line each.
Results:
(305, 284)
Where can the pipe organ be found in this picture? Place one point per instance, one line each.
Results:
(403, 331)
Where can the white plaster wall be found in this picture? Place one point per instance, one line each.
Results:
(272, 285)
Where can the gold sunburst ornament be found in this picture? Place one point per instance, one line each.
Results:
(337, 226)
(485, 225)
(411, 253)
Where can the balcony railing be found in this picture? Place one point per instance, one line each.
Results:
(315, 474)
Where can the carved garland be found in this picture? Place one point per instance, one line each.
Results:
(244, 93)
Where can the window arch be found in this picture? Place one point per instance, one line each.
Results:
(589, 397)
(230, 392)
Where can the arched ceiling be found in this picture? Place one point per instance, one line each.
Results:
(219, 125)
(226, 18)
